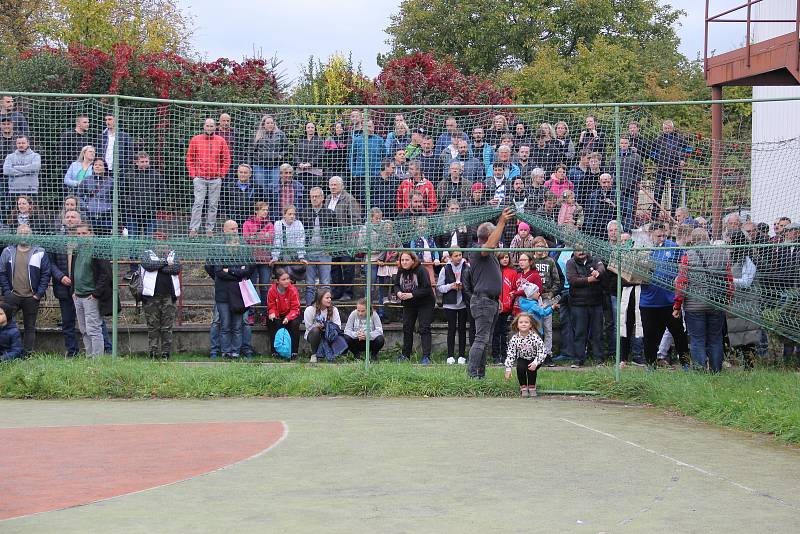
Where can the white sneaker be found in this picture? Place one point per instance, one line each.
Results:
(462, 361)
(451, 360)
(313, 359)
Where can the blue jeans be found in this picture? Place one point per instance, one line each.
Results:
(314, 273)
(107, 347)
(214, 337)
(68, 325)
(611, 327)
(705, 338)
(230, 327)
(266, 177)
(588, 321)
(626, 209)
(343, 276)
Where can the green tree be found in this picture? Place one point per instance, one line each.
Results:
(146, 25)
(21, 24)
(334, 82)
(484, 37)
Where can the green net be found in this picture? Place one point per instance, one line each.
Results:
(409, 178)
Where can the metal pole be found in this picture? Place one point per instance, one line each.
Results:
(716, 163)
(115, 236)
(368, 226)
(749, 8)
(705, 44)
(616, 249)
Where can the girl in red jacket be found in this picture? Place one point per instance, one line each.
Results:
(528, 274)
(283, 305)
(500, 334)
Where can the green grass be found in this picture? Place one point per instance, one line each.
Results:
(765, 401)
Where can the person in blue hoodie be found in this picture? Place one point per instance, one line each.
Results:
(657, 297)
(10, 340)
(375, 147)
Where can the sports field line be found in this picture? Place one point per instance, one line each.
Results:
(681, 463)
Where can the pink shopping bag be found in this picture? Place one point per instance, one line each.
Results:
(249, 293)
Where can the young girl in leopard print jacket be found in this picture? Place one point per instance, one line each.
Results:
(526, 349)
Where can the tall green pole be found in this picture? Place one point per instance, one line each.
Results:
(368, 226)
(616, 247)
(115, 235)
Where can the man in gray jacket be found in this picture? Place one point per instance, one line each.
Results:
(348, 215)
(21, 169)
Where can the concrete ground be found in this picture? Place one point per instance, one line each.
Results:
(442, 465)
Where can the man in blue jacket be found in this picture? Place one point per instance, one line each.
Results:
(658, 297)
(358, 168)
(24, 277)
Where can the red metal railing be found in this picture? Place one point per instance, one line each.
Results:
(748, 21)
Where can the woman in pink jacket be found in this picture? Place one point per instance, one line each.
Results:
(259, 231)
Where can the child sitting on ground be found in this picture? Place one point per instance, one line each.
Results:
(10, 340)
(526, 352)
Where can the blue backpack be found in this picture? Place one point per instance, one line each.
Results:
(283, 343)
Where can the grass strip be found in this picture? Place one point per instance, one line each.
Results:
(764, 401)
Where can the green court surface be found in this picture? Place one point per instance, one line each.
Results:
(436, 465)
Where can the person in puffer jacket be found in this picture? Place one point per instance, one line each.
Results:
(283, 305)
(10, 340)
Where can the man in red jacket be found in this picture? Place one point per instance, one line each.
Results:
(416, 182)
(208, 160)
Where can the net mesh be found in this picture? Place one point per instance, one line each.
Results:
(433, 176)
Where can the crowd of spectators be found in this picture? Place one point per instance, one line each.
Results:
(287, 195)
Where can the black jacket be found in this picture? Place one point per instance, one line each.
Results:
(239, 204)
(103, 283)
(226, 284)
(581, 292)
(422, 294)
(142, 194)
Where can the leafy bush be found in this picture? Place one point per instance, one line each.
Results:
(79, 69)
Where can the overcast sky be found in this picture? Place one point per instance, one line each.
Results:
(295, 29)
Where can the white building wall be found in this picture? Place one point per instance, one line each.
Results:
(775, 171)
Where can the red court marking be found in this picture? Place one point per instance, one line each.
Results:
(43, 469)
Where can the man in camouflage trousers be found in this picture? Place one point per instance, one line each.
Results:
(160, 288)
